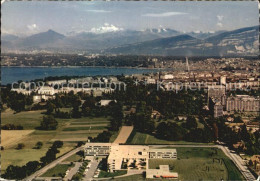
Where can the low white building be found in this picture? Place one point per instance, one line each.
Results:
(163, 172)
(132, 155)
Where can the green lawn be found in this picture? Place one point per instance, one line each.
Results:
(73, 158)
(104, 174)
(200, 164)
(56, 171)
(142, 138)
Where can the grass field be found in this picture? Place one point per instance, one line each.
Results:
(85, 128)
(73, 158)
(21, 157)
(200, 164)
(29, 136)
(56, 171)
(142, 138)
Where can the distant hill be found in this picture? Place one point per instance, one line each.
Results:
(238, 42)
(161, 41)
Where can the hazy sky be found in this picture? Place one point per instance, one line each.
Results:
(63, 17)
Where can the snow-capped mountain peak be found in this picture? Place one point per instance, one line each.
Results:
(105, 29)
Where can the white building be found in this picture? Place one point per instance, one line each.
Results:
(163, 172)
(129, 154)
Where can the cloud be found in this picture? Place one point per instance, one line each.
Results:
(106, 28)
(98, 11)
(219, 24)
(32, 27)
(220, 17)
(166, 14)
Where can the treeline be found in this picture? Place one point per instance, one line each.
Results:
(11, 127)
(15, 101)
(251, 141)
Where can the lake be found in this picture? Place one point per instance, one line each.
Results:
(13, 74)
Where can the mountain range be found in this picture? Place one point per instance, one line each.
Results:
(160, 41)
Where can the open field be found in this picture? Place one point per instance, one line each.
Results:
(200, 163)
(142, 138)
(29, 120)
(30, 136)
(56, 171)
(12, 137)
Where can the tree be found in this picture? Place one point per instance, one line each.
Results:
(161, 130)
(57, 144)
(31, 167)
(80, 143)
(50, 107)
(38, 145)
(50, 155)
(117, 116)
(49, 123)
(238, 119)
(191, 122)
(103, 137)
(20, 146)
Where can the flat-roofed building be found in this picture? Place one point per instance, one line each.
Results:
(162, 153)
(120, 153)
(97, 149)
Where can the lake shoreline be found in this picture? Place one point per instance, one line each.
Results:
(112, 67)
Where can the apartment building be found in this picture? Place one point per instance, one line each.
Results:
(243, 103)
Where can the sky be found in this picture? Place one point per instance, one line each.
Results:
(26, 18)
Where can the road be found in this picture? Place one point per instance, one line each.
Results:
(238, 161)
(53, 164)
(124, 134)
(91, 171)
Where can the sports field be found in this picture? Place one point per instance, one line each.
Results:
(200, 163)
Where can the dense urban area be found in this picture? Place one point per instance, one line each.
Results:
(196, 114)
